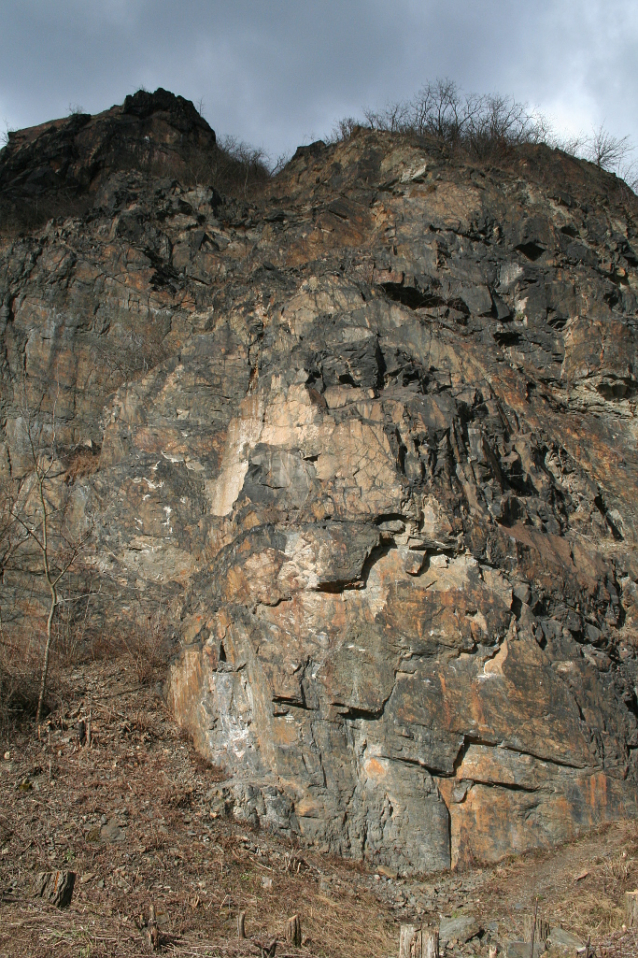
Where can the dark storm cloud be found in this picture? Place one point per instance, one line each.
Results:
(278, 72)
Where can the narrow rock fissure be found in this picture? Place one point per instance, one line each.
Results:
(469, 740)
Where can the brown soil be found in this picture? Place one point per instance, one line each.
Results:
(128, 814)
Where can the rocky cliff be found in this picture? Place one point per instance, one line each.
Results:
(368, 441)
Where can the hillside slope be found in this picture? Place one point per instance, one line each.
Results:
(129, 813)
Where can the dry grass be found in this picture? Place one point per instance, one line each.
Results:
(598, 907)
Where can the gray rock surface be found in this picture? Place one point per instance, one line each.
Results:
(460, 929)
(565, 940)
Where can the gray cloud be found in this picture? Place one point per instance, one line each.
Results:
(278, 72)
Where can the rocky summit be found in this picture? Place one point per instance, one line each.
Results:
(366, 442)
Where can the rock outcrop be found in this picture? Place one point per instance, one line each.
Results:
(369, 442)
(64, 160)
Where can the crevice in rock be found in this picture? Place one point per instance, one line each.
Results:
(165, 275)
(292, 701)
(352, 713)
(376, 554)
(415, 298)
(419, 763)
(390, 517)
(530, 250)
(465, 744)
(450, 553)
(227, 667)
(471, 739)
(616, 390)
(507, 337)
(339, 585)
(273, 603)
(599, 502)
(508, 786)
(557, 321)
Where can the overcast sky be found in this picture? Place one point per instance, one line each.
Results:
(278, 73)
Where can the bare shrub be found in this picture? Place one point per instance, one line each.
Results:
(149, 651)
(43, 546)
(74, 635)
(19, 682)
(233, 167)
(237, 166)
(489, 127)
(606, 150)
(344, 129)
(481, 125)
(611, 153)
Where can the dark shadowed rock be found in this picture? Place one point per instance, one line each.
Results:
(55, 165)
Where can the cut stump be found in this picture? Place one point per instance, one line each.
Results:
(151, 932)
(56, 887)
(417, 942)
(292, 931)
(536, 929)
(631, 908)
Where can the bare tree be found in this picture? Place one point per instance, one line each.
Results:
(249, 161)
(394, 119)
(606, 150)
(8, 545)
(479, 124)
(36, 542)
(343, 129)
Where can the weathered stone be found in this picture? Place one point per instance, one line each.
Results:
(559, 939)
(523, 949)
(112, 831)
(368, 451)
(461, 929)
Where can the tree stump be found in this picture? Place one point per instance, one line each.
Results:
(151, 932)
(241, 924)
(56, 887)
(292, 931)
(410, 942)
(631, 908)
(538, 933)
(429, 943)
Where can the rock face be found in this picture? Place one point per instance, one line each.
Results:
(369, 443)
